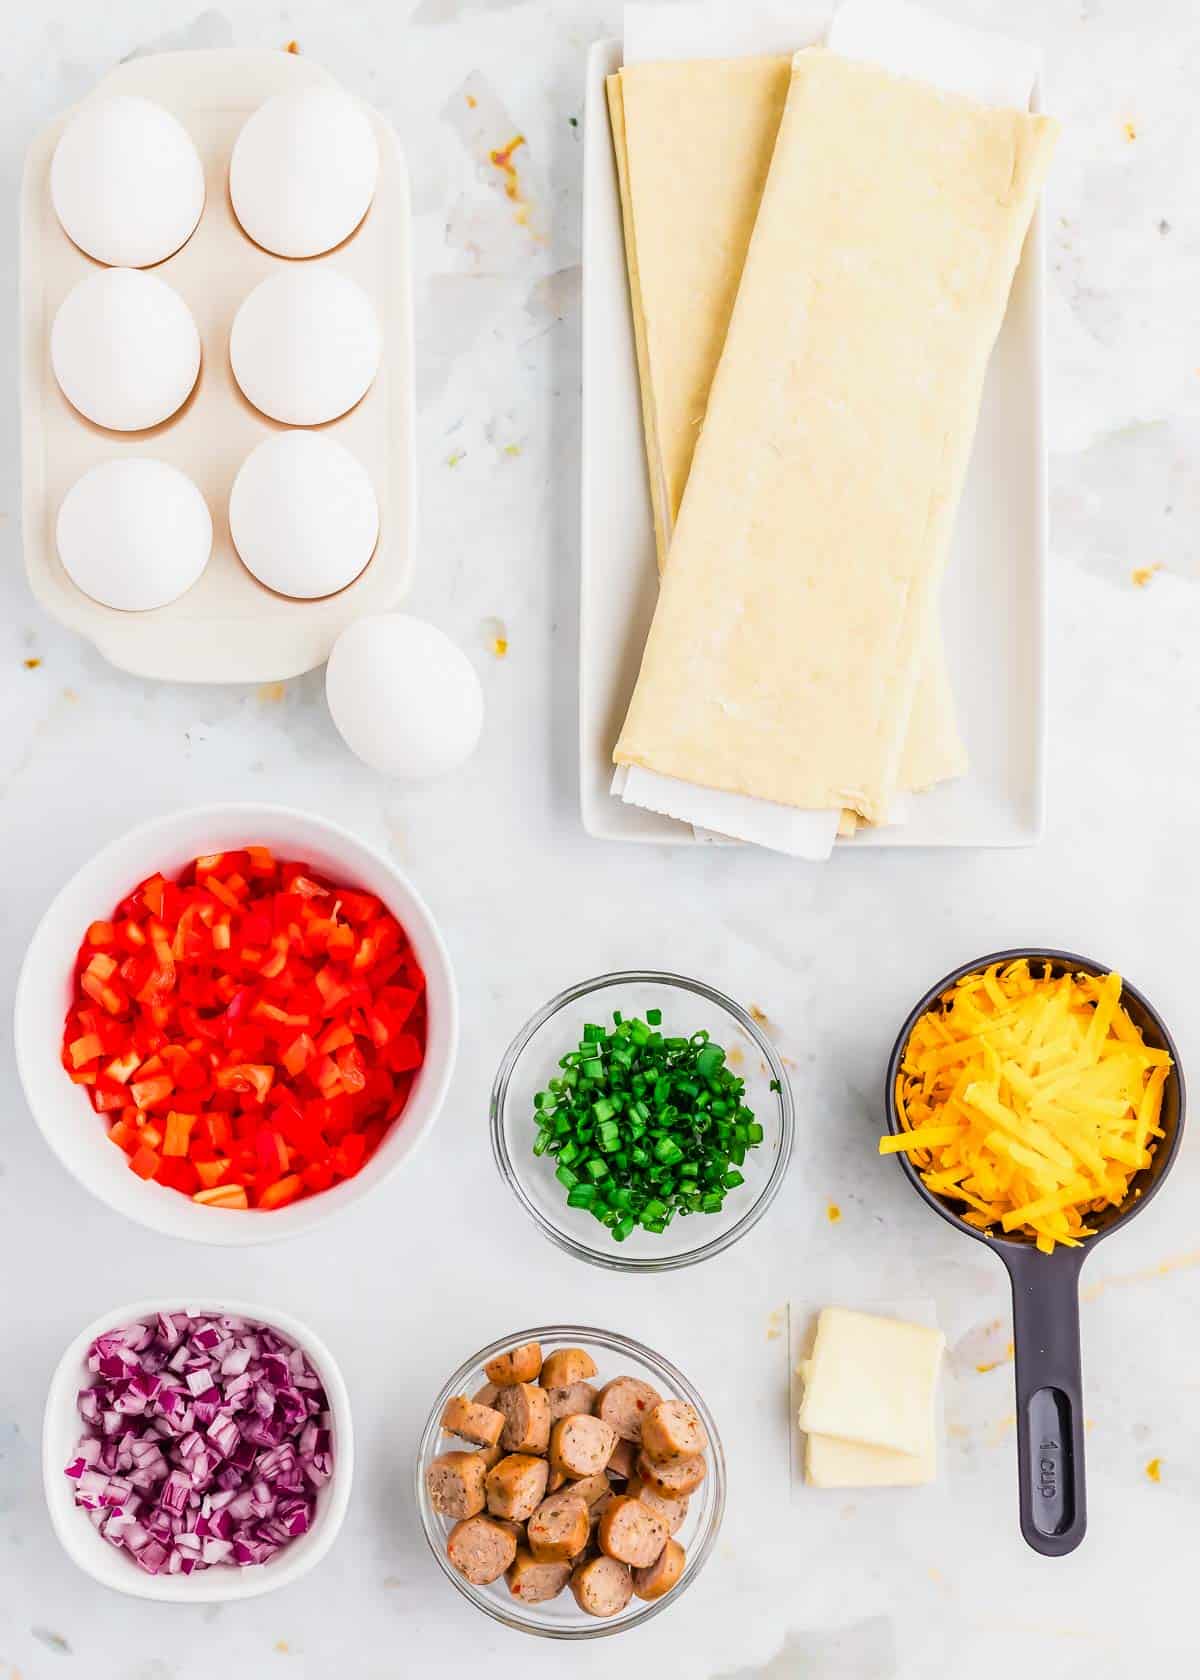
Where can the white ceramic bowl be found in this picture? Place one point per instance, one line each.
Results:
(62, 1429)
(77, 1135)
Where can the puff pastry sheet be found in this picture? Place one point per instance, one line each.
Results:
(784, 657)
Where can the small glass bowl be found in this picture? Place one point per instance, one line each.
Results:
(531, 1061)
(615, 1356)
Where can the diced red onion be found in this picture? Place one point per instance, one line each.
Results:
(205, 1441)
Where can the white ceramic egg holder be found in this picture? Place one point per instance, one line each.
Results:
(227, 627)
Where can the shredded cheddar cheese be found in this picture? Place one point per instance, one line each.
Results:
(1031, 1099)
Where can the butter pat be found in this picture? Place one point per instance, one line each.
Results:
(830, 1463)
(872, 1381)
(833, 1463)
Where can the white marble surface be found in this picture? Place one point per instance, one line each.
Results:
(914, 1586)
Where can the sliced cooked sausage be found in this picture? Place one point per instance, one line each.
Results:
(624, 1458)
(657, 1578)
(519, 1365)
(456, 1484)
(624, 1403)
(526, 1410)
(602, 1586)
(556, 1480)
(474, 1423)
(559, 1527)
(675, 1480)
(673, 1430)
(631, 1533)
(591, 1489)
(491, 1455)
(566, 1366)
(575, 1397)
(672, 1511)
(485, 1396)
(481, 1549)
(581, 1445)
(533, 1582)
(516, 1487)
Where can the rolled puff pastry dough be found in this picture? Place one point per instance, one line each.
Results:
(784, 654)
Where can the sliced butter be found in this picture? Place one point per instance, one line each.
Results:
(872, 1381)
(833, 1463)
(830, 1463)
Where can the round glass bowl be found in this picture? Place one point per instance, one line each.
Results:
(615, 1356)
(687, 1006)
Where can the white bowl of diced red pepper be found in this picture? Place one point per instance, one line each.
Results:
(234, 1022)
(197, 1451)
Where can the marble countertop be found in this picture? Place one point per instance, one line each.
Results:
(800, 1585)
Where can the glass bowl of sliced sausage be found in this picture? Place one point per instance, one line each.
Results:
(571, 1482)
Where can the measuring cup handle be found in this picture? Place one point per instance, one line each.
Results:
(1049, 1381)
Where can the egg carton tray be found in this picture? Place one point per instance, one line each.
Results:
(227, 627)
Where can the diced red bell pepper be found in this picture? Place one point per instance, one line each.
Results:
(124, 1135)
(223, 1195)
(147, 1093)
(145, 1163)
(283, 1191)
(248, 1028)
(178, 1174)
(272, 1151)
(85, 1049)
(210, 1173)
(298, 1054)
(177, 1133)
(350, 1154)
(408, 1053)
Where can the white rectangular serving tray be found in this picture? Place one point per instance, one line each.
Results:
(994, 598)
(227, 627)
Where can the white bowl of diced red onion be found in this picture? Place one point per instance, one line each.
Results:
(197, 1451)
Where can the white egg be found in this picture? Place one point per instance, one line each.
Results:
(303, 171)
(134, 534)
(305, 345)
(303, 515)
(127, 182)
(125, 349)
(405, 698)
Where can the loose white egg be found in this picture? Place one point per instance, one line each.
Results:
(127, 182)
(125, 349)
(134, 534)
(303, 171)
(305, 345)
(405, 698)
(303, 515)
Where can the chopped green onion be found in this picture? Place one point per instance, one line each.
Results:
(709, 1060)
(642, 1126)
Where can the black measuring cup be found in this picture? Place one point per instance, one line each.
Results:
(1045, 1287)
